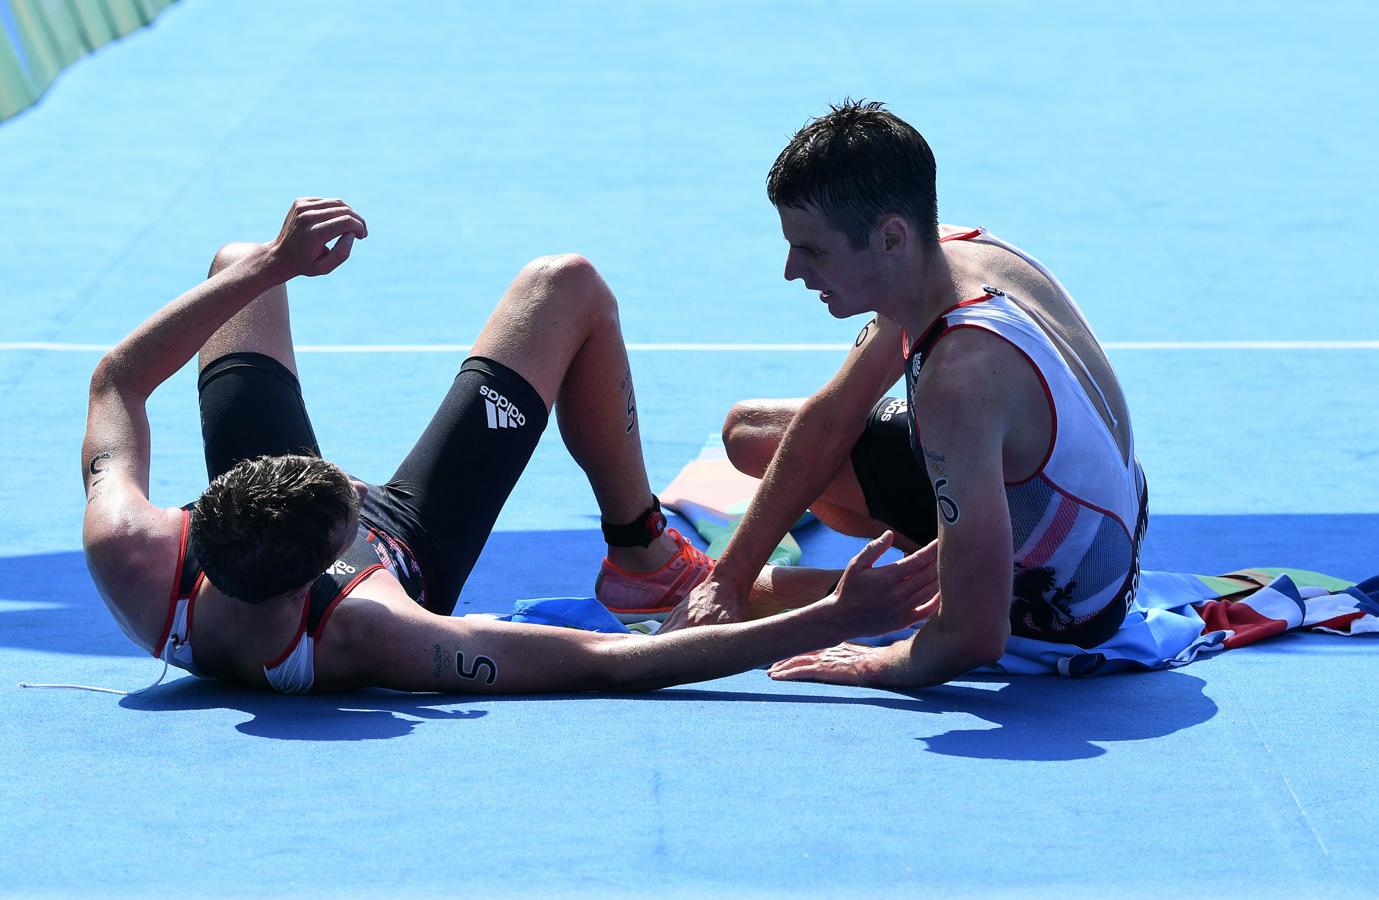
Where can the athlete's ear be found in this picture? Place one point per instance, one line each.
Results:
(894, 232)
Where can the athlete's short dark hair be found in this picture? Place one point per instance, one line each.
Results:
(859, 163)
(271, 524)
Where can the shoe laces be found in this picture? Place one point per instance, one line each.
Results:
(690, 553)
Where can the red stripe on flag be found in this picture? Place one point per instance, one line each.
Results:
(1238, 616)
(1340, 623)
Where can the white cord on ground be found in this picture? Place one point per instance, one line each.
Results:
(99, 690)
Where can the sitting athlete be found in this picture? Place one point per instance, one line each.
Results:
(1012, 447)
(289, 574)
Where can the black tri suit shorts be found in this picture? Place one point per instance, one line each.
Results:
(445, 496)
(896, 487)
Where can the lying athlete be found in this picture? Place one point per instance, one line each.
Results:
(1012, 447)
(289, 574)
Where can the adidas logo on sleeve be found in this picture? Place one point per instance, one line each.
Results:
(501, 413)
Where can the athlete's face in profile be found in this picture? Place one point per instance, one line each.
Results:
(821, 256)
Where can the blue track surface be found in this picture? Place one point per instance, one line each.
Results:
(1191, 174)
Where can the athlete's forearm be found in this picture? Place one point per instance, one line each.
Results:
(939, 653)
(715, 651)
(815, 445)
(117, 444)
(973, 625)
(397, 645)
(375, 645)
(165, 341)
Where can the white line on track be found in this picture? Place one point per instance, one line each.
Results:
(55, 347)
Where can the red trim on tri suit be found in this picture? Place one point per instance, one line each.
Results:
(320, 626)
(1080, 502)
(344, 592)
(907, 346)
(173, 595)
(296, 636)
(191, 601)
(1048, 397)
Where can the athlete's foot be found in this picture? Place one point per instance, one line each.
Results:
(634, 596)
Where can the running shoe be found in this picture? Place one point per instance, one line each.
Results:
(638, 596)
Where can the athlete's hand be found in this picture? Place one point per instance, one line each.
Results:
(710, 603)
(303, 247)
(880, 599)
(852, 664)
(875, 600)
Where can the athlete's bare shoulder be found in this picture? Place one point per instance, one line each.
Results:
(967, 361)
(975, 375)
(1033, 287)
(976, 385)
(132, 550)
(364, 633)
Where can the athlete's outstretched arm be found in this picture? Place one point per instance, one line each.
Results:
(124, 536)
(815, 445)
(406, 648)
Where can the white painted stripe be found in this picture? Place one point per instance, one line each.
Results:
(1241, 345)
(61, 348)
(644, 348)
(50, 346)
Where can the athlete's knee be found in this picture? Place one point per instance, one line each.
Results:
(230, 254)
(751, 433)
(568, 271)
(569, 280)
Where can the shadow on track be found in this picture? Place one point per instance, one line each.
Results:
(1040, 718)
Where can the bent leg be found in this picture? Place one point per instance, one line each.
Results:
(553, 340)
(558, 327)
(263, 326)
(445, 496)
(752, 433)
(780, 588)
(250, 399)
